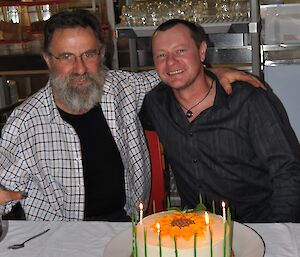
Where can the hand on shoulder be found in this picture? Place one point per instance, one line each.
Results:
(228, 75)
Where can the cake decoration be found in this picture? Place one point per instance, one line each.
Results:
(184, 233)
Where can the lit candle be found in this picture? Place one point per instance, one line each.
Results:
(141, 213)
(209, 232)
(159, 239)
(206, 220)
(224, 211)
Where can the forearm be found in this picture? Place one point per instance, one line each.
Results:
(286, 197)
(228, 75)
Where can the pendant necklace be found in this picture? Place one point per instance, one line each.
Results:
(189, 114)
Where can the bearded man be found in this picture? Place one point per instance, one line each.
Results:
(76, 148)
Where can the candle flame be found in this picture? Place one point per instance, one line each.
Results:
(158, 227)
(141, 206)
(223, 204)
(206, 218)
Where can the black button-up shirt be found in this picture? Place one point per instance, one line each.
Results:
(237, 151)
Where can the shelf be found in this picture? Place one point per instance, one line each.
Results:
(281, 54)
(210, 25)
(22, 63)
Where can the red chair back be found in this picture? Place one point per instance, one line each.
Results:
(158, 192)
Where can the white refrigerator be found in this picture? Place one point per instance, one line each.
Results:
(284, 79)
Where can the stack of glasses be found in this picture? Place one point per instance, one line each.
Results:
(153, 13)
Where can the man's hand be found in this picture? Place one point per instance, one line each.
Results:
(6, 196)
(227, 75)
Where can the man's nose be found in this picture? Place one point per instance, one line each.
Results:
(171, 59)
(79, 66)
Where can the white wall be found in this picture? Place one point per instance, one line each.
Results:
(285, 82)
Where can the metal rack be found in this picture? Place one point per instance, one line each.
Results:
(212, 25)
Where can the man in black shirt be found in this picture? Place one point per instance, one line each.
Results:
(224, 147)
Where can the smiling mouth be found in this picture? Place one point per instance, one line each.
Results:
(170, 73)
(79, 80)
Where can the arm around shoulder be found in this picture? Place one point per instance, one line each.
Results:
(228, 75)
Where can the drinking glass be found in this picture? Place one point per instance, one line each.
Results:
(196, 14)
(154, 15)
(240, 8)
(135, 9)
(126, 15)
(223, 9)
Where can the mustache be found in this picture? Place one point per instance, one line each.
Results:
(85, 76)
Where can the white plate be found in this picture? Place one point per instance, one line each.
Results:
(246, 243)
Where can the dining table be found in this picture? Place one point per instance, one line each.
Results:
(89, 238)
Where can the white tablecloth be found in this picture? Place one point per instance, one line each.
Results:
(88, 239)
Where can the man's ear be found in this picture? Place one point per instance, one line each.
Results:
(103, 50)
(202, 51)
(47, 59)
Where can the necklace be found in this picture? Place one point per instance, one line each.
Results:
(189, 114)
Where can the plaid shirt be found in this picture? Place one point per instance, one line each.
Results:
(40, 153)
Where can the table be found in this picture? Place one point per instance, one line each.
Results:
(88, 238)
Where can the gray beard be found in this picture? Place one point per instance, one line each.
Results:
(79, 99)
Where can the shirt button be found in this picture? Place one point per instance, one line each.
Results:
(195, 161)
(191, 134)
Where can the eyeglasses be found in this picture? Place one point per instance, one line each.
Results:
(87, 57)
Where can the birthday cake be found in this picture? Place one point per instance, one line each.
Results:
(183, 234)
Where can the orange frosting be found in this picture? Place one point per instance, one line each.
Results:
(181, 224)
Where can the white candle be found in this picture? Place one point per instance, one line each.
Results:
(159, 239)
(206, 221)
(158, 227)
(209, 233)
(141, 213)
(224, 211)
